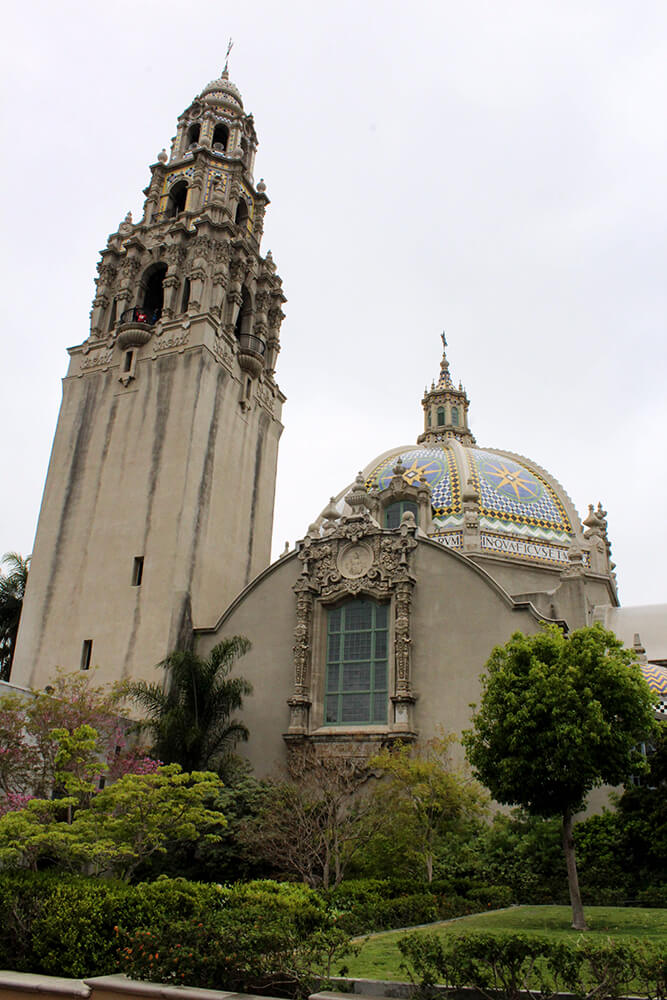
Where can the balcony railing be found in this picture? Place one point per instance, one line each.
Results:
(137, 314)
(247, 342)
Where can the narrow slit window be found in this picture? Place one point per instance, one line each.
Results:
(137, 571)
(185, 301)
(86, 654)
(127, 365)
(112, 314)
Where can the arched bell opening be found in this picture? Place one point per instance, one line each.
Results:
(241, 217)
(152, 292)
(194, 133)
(244, 318)
(220, 138)
(177, 199)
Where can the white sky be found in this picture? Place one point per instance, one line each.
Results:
(493, 169)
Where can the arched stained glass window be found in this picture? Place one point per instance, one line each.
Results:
(455, 415)
(356, 681)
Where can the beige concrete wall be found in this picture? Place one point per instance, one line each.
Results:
(459, 614)
(266, 614)
(170, 467)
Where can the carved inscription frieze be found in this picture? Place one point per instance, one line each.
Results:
(97, 359)
(175, 342)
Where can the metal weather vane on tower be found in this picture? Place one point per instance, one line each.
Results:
(230, 46)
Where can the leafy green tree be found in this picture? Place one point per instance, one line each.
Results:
(425, 800)
(124, 825)
(29, 751)
(190, 715)
(12, 592)
(559, 715)
(642, 818)
(140, 814)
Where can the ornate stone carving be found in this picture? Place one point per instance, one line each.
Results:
(355, 560)
(354, 556)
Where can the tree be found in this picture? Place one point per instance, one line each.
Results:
(314, 824)
(642, 817)
(124, 825)
(425, 798)
(29, 749)
(136, 817)
(559, 715)
(190, 716)
(12, 591)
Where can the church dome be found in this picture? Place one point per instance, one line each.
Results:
(522, 510)
(481, 501)
(222, 91)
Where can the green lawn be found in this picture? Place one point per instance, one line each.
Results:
(379, 957)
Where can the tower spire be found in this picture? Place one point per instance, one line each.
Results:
(445, 408)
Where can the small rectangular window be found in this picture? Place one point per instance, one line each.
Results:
(86, 654)
(128, 361)
(137, 571)
(101, 783)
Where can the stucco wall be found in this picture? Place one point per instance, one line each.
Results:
(459, 614)
(169, 468)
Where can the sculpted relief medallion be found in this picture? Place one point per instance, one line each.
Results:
(355, 560)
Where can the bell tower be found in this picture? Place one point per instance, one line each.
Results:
(158, 504)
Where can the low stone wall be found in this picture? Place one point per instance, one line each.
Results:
(15, 986)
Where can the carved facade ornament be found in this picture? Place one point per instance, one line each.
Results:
(354, 557)
(355, 560)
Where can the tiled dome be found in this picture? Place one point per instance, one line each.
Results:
(656, 678)
(517, 499)
(222, 91)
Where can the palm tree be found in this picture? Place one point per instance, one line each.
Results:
(190, 715)
(12, 590)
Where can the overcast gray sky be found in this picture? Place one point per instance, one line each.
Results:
(494, 169)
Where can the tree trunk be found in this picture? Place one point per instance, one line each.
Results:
(578, 920)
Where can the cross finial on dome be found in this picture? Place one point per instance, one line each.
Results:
(225, 71)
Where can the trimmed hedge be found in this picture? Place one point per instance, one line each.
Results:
(366, 905)
(242, 937)
(506, 965)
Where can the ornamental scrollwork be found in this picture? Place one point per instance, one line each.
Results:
(353, 557)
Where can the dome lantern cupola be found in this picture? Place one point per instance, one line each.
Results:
(445, 408)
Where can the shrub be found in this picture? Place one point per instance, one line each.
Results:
(492, 897)
(63, 925)
(655, 895)
(505, 965)
(257, 934)
(260, 936)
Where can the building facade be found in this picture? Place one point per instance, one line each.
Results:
(156, 521)
(158, 503)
